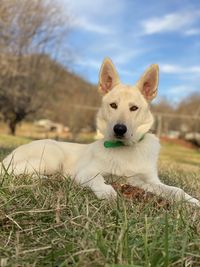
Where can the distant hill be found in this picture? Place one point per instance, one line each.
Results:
(62, 90)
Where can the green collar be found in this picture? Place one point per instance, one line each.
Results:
(109, 144)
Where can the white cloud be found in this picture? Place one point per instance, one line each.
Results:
(124, 56)
(97, 8)
(170, 22)
(120, 59)
(176, 69)
(192, 31)
(179, 92)
(187, 76)
(176, 90)
(86, 25)
(88, 15)
(167, 68)
(94, 64)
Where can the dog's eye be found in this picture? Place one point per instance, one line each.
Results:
(113, 105)
(133, 108)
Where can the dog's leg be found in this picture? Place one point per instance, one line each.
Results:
(166, 191)
(96, 182)
(171, 192)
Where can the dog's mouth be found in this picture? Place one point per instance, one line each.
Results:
(119, 137)
(127, 140)
(124, 139)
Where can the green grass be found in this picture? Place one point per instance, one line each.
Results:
(179, 154)
(53, 222)
(9, 141)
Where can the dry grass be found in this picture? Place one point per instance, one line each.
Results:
(53, 222)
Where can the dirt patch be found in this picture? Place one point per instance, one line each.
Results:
(180, 142)
(137, 194)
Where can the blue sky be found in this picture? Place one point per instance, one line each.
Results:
(135, 34)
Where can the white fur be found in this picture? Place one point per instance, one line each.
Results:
(89, 164)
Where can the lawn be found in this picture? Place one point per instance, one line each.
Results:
(186, 157)
(52, 222)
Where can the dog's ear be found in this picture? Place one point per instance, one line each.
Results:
(148, 83)
(108, 76)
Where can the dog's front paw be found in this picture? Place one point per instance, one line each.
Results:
(194, 202)
(105, 192)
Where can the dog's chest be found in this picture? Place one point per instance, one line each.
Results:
(126, 162)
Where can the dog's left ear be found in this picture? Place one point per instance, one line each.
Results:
(148, 83)
(108, 76)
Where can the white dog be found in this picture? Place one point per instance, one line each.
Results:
(127, 149)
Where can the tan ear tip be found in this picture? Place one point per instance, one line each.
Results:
(107, 59)
(155, 66)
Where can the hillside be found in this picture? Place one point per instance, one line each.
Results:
(61, 91)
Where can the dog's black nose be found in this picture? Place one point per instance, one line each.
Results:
(120, 129)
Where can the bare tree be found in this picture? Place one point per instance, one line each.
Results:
(29, 30)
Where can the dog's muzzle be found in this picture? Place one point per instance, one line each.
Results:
(120, 130)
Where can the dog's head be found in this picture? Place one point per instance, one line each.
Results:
(125, 114)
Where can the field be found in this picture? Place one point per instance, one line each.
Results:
(52, 222)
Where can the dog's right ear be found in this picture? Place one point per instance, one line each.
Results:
(148, 83)
(108, 76)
